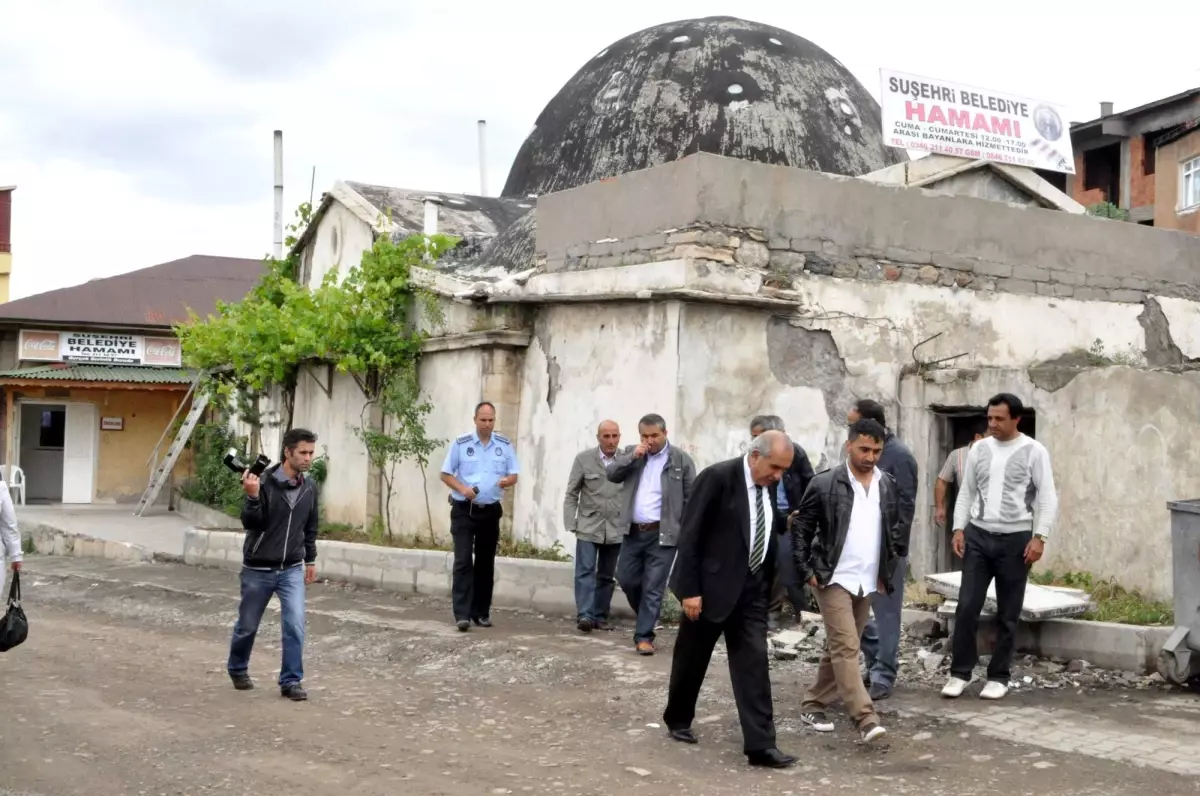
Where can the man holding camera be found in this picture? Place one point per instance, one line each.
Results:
(278, 558)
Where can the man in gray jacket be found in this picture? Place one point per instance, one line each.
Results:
(594, 511)
(657, 480)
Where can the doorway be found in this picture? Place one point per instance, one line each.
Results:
(56, 449)
(955, 430)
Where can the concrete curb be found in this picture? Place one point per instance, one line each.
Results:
(546, 586)
(204, 517)
(50, 541)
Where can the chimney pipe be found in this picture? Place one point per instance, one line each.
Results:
(278, 194)
(483, 157)
(431, 217)
(1106, 109)
(6, 218)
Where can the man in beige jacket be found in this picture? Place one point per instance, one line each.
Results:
(593, 510)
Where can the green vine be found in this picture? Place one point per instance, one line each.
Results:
(213, 484)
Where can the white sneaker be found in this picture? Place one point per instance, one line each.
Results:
(954, 688)
(993, 690)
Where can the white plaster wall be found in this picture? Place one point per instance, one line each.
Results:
(1183, 318)
(725, 379)
(585, 364)
(333, 419)
(339, 242)
(877, 324)
(451, 379)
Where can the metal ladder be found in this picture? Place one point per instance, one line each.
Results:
(162, 472)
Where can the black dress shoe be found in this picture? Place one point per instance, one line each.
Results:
(482, 621)
(242, 682)
(463, 625)
(771, 758)
(684, 735)
(585, 625)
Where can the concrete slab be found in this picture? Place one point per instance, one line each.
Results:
(159, 531)
(1041, 602)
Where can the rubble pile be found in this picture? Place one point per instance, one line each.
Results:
(925, 659)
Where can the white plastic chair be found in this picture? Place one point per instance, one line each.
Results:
(15, 478)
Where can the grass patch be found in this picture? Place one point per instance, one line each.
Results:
(376, 534)
(1114, 603)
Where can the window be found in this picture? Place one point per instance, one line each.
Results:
(1149, 150)
(1189, 184)
(53, 428)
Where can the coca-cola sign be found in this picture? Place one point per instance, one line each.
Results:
(162, 351)
(100, 347)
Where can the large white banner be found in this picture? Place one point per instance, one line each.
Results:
(107, 348)
(952, 119)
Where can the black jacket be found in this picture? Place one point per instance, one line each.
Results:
(714, 542)
(796, 479)
(898, 462)
(820, 525)
(279, 535)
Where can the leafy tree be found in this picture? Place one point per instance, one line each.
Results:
(363, 324)
(400, 401)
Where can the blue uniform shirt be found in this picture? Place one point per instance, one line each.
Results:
(476, 464)
(781, 496)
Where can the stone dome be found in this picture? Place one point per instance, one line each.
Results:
(720, 85)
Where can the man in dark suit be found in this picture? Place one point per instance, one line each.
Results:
(723, 575)
(791, 488)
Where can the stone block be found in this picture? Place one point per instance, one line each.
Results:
(1031, 273)
(513, 595)
(1106, 282)
(336, 569)
(961, 279)
(366, 575)
(1047, 288)
(1068, 277)
(989, 268)
(892, 273)
(399, 579)
(927, 274)
(703, 237)
(753, 254)
(436, 584)
(908, 274)
(1063, 291)
(807, 245)
(1130, 296)
(819, 264)
(846, 269)
(788, 262)
(603, 248)
(913, 256)
(1091, 294)
(554, 599)
(774, 243)
(697, 252)
(1133, 283)
(1016, 286)
(652, 241)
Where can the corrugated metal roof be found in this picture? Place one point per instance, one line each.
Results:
(125, 374)
(158, 296)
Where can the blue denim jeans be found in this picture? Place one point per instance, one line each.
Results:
(595, 565)
(257, 588)
(642, 571)
(881, 637)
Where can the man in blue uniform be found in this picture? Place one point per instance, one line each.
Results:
(478, 468)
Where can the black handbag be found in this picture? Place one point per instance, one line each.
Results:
(15, 627)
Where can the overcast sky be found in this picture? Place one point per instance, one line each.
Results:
(139, 131)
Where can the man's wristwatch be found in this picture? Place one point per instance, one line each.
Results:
(1041, 537)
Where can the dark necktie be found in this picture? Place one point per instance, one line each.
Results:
(760, 531)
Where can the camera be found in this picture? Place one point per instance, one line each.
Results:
(238, 466)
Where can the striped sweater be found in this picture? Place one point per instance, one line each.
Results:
(1007, 487)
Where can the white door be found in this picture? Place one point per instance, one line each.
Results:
(79, 454)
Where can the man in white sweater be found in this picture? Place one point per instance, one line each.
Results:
(1002, 519)
(10, 541)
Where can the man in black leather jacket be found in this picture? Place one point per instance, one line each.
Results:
(846, 537)
(279, 557)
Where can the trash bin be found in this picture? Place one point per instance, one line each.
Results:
(1179, 660)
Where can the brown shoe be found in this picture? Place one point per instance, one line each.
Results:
(645, 648)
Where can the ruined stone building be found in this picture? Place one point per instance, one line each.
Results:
(688, 231)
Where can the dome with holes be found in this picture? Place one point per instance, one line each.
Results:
(720, 85)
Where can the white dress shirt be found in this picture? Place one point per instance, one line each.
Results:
(647, 502)
(857, 568)
(751, 488)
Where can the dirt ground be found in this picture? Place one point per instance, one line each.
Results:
(121, 689)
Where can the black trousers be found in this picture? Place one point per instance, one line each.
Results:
(745, 631)
(990, 555)
(474, 529)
